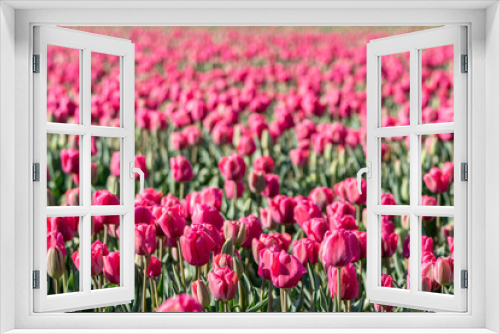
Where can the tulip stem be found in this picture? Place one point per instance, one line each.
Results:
(225, 306)
(198, 272)
(160, 249)
(270, 298)
(55, 286)
(283, 300)
(144, 283)
(181, 262)
(235, 200)
(240, 292)
(349, 308)
(64, 282)
(151, 291)
(181, 191)
(438, 220)
(339, 286)
(105, 236)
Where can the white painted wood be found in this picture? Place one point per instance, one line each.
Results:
(86, 43)
(470, 322)
(414, 43)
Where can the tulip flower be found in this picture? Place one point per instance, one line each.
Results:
(181, 169)
(321, 196)
(171, 221)
(349, 282)
(200, 292)
(143, 215)
(235, 231)
(154, 267)
(315, 228)
(230, 191)
(169, 201)
(206, 214)
(212, 196)
(338, 248)
(264, 164)
(253, 229)
(67, 226)
(232, 168)
(436, 182)
(282, 209)
(70, 161)
(196, 245)
(145, 239)
(223, 260)
(443, 270)
(305, 210)
(180, 303)
(306, 250)
(111, 267)
(257, 181)
(223, 283)
(272, 186)
(55, 256)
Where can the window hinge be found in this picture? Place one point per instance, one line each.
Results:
(36, 279)
(465, 64)
(465, 279)
(36, 63)
(464, 171)
(36, 172)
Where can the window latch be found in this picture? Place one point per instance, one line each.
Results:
(465, 64)
(132, 171)
(368, 171)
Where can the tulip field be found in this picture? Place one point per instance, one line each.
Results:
(250, 139)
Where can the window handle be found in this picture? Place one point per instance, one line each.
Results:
(134, 170)
(368, 171)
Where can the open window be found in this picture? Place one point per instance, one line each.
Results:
(427, 177)
(64, 155)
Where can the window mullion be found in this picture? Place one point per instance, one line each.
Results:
(414, 167)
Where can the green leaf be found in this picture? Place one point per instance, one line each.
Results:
(257, 306)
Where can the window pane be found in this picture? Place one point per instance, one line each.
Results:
(63, 84)
(437, 255)
(395, 89)
(105, 89)
(105, 252)
(63, 170)
(63, 261)
(105, 170)
(437, 169)
(395, 170)
(437, 84)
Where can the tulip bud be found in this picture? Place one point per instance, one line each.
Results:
(266, 140)
(55, 263)
(443, 270)
(112, 184)
(238, 266)
(328, 152)
(257, 181)
(228, 248)
(405, 190)
(342, 157)
(200, 292)
(397, 167)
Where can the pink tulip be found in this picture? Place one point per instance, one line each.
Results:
(151, 195)
(67, 226)
(436, 182)
(70, 161)
(337, 248)
(282, 208)
(230, 191)
(306, 250)
(305, 210)
(257, 181)
(111, 267)
(115, 164)
(181, 169)
(196, 246)
(178, 141)
(171, 221)
(443, 270)
(361, 236)
(349, 282)
(322, 196)
(154, 267)
(223, 260)
(180, 303)
(315, 228)
(143, 215)
(272, 186)
(140, 162)
(232, 168)
(145, 239)
(200, 293)
(253, 229)
(246, 145)
(169, 201)
(284, 270)
(448, 170)
(299, 157)
(212, 196)
(206, 214)
(223, 283)
(73, 196)
(264, 164)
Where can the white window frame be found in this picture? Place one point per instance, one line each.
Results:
(414, 43)
(483, 86)
(85, 43)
